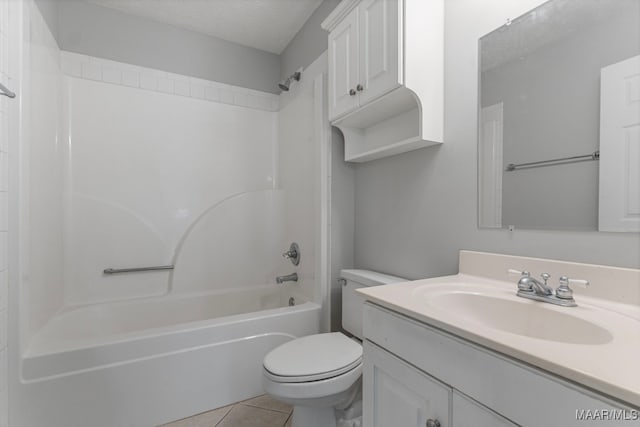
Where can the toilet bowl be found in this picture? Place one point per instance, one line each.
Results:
(321, 375)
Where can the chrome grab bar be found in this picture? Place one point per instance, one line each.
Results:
(6, 92)
(137, 269)
(553, 162)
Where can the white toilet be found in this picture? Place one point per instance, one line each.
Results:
(320, 375)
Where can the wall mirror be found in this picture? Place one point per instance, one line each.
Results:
(559, 118)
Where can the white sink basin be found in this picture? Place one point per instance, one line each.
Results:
(520, 316)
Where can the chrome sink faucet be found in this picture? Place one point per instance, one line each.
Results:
(528, 283)
(531, 288)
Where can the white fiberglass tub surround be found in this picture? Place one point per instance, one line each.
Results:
(146, 362)
(146, 173)
(156, 178)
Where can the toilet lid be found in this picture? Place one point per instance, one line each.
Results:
(313, 358)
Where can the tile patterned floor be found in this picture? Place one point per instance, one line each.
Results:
(261, 411)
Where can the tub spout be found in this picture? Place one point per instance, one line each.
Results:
(290, 278)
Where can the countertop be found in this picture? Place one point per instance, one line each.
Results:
(611, 368)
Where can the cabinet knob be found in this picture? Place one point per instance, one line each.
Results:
(433, 423)
(352, 92)
(359, 88)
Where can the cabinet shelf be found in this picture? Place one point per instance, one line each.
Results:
(385, 127)
(388, 150)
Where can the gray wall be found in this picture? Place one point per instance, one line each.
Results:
(106, 33)
(551, 100)
(93, 30)
(415, 211)
(49, 11)
(308, 43)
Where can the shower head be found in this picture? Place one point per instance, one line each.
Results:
(284, 86)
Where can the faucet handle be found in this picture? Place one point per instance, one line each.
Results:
(293, 254)
(564, 280)
(580, 282)
(564, 291)
(524, 284)
(518, 272)
(289, 254)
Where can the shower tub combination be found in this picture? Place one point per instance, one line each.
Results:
(149, 361)
(215, 200)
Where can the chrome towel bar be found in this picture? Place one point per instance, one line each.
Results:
(137, 269)
(563, 160)
(6, 92)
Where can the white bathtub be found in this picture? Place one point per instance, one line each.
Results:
(150, 361)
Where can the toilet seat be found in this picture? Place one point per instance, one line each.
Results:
(313, 358)
(315, 377)
(327, 392)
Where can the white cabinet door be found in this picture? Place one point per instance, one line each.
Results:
(467, 413)
(343, 66)
(397, 394)
(619, 196)
(380, 48)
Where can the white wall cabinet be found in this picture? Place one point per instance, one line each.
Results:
(414, 373)
(364, 59)
(343, 66)
(380, 50)
(386, 90)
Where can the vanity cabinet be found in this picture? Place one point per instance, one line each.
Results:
(386, 75)
(365, 56)
(468, 413)
(415, 372)
(397, 394)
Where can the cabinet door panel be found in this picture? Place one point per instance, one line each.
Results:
(380, 47)
(467, 413)
(343, 66)
(398, 394)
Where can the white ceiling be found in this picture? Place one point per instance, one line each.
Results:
(263, 24)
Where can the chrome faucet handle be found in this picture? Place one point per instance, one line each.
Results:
(564, 291)
(523, 283)
(518, 272)
(293, 254)
(290, 254)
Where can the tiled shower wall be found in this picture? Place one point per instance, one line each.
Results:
(119, 73)
(4, 78)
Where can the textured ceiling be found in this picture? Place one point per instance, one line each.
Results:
(264, 24)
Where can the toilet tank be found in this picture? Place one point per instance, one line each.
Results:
(352, 303)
